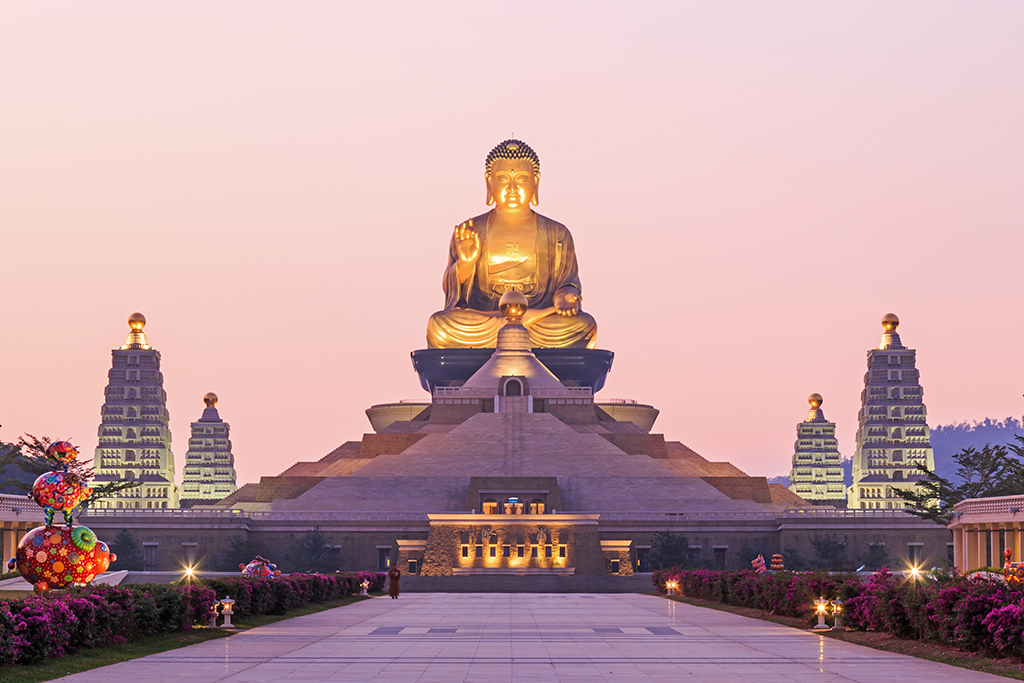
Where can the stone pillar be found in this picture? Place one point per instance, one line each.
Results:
(1011, 543)
(971, 553)
(958, 546)
(9, 546)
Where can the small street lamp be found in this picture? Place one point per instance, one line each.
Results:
(821, 608)
(366, 585)
(226, 612)
(837, 611)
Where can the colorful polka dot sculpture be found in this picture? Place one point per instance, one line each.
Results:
(259, 568)
(55, 556)
(59, 491)
(58, 557)
(61, 452)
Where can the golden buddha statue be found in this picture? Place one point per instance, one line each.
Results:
(511, 248)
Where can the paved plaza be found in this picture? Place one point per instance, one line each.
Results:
(524, 637)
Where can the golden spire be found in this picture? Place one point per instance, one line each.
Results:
(815, 414)
(210, 400)
(136, 338)
(890, 339)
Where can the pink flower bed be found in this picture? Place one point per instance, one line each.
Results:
(62, 622)
(979, 615)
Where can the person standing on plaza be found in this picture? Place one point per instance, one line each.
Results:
(394, 575)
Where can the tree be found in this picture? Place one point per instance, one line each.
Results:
(986, 473)
(238, 550)
(29, 455)
(311, 552)
(669, 550)
(128, 551)
(829, 550)
(876, 556)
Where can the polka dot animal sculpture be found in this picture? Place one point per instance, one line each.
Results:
(58, 557)
(54, 556)
(59, 491)
(259, 568)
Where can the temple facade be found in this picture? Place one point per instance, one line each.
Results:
(134, 435)
(209, 472)
(892, 436)
(817, 474)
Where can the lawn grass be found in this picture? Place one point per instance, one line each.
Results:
(92, 659)
(922, 649)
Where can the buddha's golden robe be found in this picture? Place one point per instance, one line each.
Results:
(471, 318)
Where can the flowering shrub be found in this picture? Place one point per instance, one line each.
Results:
(977, 614)
(56, 624)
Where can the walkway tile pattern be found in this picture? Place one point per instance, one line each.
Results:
(446, 638)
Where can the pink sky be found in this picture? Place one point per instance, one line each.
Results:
(273, 185)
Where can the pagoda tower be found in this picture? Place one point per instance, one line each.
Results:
(817, 474)
(892, 435)
(135, 436)
(209, 465)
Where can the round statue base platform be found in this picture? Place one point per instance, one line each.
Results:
(452, 367)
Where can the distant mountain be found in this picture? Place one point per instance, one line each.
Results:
(948, 440)
(953, 438)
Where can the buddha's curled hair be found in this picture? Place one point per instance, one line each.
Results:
(513, 149)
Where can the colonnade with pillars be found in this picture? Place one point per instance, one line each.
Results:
(982, 544)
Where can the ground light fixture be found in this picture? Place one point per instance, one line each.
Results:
(821, 609)
(672, 587)
(226, 612)
(837, 612)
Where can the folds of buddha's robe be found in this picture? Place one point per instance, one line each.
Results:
(471, 317)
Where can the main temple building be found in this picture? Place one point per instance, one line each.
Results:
(513, 465)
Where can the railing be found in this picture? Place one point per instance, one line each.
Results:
(1003, 505)
(753, 516)
(463, 392)
(19, 507)
(268, 516)
(626, 401)
(564, 392)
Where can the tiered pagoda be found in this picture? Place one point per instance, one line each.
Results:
(892, 436)
(135, 436)
(209, 473)
(817, 474)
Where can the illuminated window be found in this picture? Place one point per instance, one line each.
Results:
(490, 507)
(536, 507)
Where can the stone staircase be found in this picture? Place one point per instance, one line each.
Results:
(638, 583)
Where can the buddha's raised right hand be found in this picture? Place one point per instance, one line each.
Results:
(467, 243)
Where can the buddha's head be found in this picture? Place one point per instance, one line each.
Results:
(512, 176)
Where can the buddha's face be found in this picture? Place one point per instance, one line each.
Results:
(512, 184)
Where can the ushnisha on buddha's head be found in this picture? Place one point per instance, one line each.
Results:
(512, 175)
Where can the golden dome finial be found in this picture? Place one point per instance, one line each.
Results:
(210, 400)
(890, 322)
(815, 400)
(513, 306)
(136, 338)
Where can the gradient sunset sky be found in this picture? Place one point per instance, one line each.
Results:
(750, 186)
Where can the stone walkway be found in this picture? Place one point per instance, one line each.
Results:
(444, 638)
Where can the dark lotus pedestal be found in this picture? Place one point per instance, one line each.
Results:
(452, 367)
